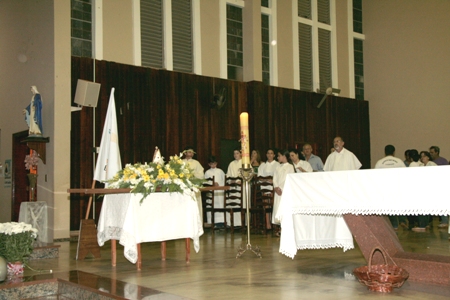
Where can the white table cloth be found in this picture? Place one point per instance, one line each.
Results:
(35, 213)
(160, 217)
(312, 202)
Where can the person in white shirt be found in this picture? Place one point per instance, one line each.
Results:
(219, 180)
(233, 171)
(235, 165)
(279, 178)
(268, 167)
(341, 159)
(298, 161)
(415, 159)
(425, 158)
(390, 161)
(197, 169)
(192, 163)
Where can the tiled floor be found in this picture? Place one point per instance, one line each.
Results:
(215, 273)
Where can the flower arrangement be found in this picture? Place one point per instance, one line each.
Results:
(173, 177)
(16, 241)
(31, 160)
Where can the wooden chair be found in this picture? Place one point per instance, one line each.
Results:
(208, 201)
(233, 200)
(262, 202)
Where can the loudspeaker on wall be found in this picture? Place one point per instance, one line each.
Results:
(87, 93)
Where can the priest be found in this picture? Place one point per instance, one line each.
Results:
(341, 159)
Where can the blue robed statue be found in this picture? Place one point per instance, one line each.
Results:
(33, 113)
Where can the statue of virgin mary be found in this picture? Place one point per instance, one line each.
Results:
(33, 113)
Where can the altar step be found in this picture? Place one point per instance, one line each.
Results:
(44, 251)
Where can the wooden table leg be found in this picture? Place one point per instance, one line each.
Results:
(163, 250)
(188, 250)
(139, 258)
(113, 253)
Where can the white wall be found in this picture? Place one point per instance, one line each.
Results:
(407, 72)
(35, 31)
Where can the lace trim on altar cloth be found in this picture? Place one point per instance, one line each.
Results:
(330, 211)
(345, 245)
(130, 249)
(110, 233)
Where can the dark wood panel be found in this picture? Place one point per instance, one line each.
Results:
(19, 180)
(172, 110)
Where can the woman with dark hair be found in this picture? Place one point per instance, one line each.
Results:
(414, 158)
(299, 162)
(255, 160)
(268, 168)
(425, 158)
(279, 178)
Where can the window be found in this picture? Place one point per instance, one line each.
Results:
(269, 42)
(182, 35)
(152, 34)
(315, 46)
(359, 69)
(305, 51)
(235, 52)
(324, 59)
(265, 38)
(81, 28)
(357, 16)
(357, 44)
(167, 34)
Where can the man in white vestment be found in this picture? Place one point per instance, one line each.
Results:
(341, 159)
(197, 168)
(219, 180)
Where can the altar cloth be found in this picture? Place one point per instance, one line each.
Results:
(160, 217)
(312, 202)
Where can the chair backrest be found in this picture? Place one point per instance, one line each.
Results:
(208, 195)
(264, 191)
(233, 196)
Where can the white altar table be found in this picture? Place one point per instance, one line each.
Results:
(312, 202)
(160, 217)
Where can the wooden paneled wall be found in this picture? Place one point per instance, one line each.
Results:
(172, 110)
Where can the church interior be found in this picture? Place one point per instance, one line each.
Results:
(376, 74)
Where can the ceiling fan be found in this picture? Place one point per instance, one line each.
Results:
(329, 90)
(219, 99)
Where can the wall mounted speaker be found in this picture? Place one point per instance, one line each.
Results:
(87, 93)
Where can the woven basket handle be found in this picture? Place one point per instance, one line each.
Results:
(371, 256)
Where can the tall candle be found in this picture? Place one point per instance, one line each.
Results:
(245, 140)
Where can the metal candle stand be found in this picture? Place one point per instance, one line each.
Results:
(247, 175)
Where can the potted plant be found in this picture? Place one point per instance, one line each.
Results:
(16, 244)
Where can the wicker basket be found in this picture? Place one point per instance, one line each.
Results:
(381, 278)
